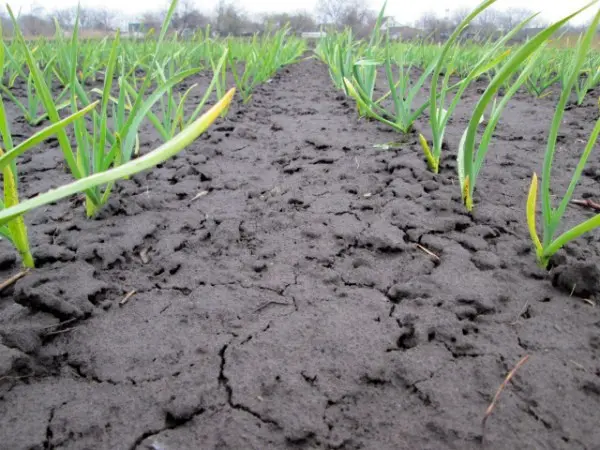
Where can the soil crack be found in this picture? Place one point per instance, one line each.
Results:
(457, 353)
(171, 422)
(373, 286)
(92, 378)
(48, 442)
(225, 382)
(145, 436)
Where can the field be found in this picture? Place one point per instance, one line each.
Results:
(298, 276)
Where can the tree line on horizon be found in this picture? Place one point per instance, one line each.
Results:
(228, 18)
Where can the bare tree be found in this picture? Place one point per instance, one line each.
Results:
(488, 20)
(89, 18)
(151, 20)
(33, 25)
(436, 27)
(299, 22)
(360, 19)
(488, 23)
(231, 20)
(458, 15)
(7, 25)
(345, 13)
(65, 17)
(513, 16)
(428, 22)
(86, 17)
(331, 11)
(102, 19)
(188, 16)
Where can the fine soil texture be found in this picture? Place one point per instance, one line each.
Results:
(286, 283)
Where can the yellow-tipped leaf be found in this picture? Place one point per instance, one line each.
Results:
(466, 194)
(17, 228)
(432, 162)
(531, 204)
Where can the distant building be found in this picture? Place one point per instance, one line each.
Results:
(397, 31)
(135, 29)
(405, 33)
(313, 34)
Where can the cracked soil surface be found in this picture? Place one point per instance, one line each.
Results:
(292, 305)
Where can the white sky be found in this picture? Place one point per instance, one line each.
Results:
(405, 11)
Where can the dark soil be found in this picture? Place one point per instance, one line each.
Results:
(293, 305)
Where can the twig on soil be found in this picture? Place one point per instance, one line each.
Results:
(8, 377)
(66, 330)
(521, 312)
(429, 252)
(127, 297)
(510, 375)
(198, 195)
(266, 304)
(12, 280)
(64, 322)
(576, 364)
(573, 290)
(587, 204)
(590, 302)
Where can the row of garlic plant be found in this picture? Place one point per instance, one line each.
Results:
(256, 60)
(342, 51)
(139, 83)
(450, 68)
(252, 61)
(552, 239)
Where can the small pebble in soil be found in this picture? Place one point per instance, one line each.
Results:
(259, 266)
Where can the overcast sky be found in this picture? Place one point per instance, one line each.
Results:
(405, 11)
